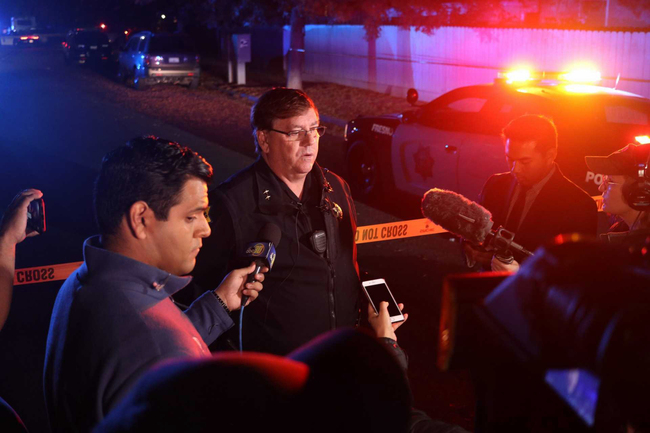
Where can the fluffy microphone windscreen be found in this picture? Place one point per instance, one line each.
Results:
(457, 214)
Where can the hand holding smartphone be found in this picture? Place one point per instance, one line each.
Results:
(377, 291)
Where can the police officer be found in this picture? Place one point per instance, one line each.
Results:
(313, 286)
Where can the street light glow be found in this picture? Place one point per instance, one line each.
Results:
(163, 16)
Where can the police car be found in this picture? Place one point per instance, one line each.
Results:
(454, 142)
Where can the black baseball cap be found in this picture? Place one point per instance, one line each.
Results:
(624, 161)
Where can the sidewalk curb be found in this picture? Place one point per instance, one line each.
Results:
(327, 119)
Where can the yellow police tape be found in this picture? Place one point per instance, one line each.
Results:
(365, 234)
(43, 274)
(396, 230)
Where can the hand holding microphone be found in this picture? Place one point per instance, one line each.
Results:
(498, 265)
(232, 289)
(262, 252)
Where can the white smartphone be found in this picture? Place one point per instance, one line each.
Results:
(378, 291)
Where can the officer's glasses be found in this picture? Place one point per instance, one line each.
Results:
(300, 134)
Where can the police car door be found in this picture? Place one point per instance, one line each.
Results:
(425, 151)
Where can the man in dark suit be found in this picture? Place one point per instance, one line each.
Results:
(534, 200)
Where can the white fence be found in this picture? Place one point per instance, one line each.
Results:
(457, 56)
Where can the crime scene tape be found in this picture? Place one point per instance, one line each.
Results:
(44, 274)
(396, 230)
(364, 234)
(412, 228)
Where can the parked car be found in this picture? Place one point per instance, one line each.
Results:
(26, 38)
(454, 142)
(86, 46)
(153, 58)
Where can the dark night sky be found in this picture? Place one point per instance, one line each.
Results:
(76, 13)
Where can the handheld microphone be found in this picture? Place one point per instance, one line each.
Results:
(463, 217)
(262, 252)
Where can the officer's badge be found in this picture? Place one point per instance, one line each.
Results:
(337, 211)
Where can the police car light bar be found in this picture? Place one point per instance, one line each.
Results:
(582, 75)
(516, 76)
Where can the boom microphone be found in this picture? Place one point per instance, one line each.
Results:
(463, 217)
(262, 252)
(457, 214)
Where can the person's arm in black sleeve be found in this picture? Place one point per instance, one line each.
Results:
(419, 422)
(385, 331)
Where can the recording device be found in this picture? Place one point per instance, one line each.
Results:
(565, 337)
(36, 216)
(262, 252)
(468, 219)
(377, 291)
(637, 193)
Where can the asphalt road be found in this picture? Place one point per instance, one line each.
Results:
(57, 122)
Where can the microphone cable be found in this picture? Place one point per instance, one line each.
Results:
(241, 327)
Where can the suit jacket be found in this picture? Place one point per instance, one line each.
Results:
(560, 207)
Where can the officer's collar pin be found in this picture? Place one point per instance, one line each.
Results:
(267, 195)
(160, 285)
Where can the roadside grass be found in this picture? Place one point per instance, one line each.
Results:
(333, 100)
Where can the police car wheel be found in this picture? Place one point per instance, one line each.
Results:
(363, 170)
(193, 84)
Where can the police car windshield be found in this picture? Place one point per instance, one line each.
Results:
(628, 113)
(171, 44)
(92, 38)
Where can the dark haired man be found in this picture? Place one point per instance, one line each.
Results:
(534, 200)
(113, 318)
(313, 286)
